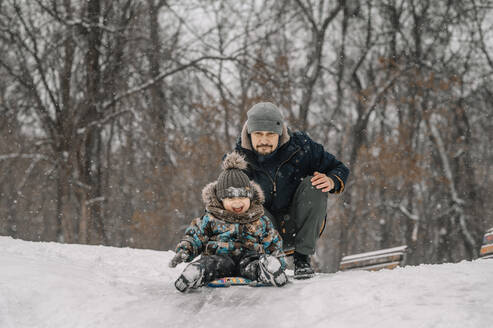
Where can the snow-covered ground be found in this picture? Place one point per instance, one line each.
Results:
(55, 285)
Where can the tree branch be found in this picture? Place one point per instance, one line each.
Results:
(159, 77)
(36, 157)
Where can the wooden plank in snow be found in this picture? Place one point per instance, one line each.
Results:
(388, 258)
(488, 237)
(486, 251)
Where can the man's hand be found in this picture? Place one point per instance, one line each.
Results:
(181, 256)
(320, 181)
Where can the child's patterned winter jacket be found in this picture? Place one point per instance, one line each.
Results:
(223, 232)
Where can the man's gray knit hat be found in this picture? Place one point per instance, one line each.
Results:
(233, 182)
(265, 116)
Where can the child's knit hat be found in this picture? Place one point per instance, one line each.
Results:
(232, 181)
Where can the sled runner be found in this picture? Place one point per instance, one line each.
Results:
(235, 281)
(388, 258)
(486, 251)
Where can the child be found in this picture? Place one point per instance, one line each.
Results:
(234, 237)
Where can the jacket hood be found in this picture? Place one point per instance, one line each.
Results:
(214, 206)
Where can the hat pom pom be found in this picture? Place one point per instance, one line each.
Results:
(234, 161)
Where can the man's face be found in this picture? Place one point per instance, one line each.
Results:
(264, 142)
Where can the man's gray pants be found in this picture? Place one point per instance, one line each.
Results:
(302, 226)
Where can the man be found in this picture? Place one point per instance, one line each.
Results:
(295, 174)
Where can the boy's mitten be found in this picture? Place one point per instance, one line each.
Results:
(181, 256)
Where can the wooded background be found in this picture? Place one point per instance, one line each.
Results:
(114, 114)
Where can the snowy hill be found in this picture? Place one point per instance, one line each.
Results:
(55, 285)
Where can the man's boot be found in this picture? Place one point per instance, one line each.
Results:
(302, 266)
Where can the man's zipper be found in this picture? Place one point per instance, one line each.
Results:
(273, 181)
(268, 175)
(279, 167)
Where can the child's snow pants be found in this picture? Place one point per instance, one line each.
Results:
(219, 266)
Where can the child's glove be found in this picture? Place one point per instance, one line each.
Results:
(181, 256)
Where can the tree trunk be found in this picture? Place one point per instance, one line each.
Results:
(91, 153)
(64, 226)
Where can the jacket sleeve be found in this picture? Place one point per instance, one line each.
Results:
(196, 237)
(272, 241)
(324, 162)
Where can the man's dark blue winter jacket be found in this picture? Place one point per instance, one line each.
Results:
(280, 173)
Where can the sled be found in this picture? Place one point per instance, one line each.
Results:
(288, 251)
(388, 258)
(235, 281)
(486, 251)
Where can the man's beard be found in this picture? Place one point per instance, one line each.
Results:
(264, 149)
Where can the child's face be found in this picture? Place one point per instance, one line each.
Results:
(237, 204)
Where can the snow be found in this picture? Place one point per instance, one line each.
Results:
(59, 285)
